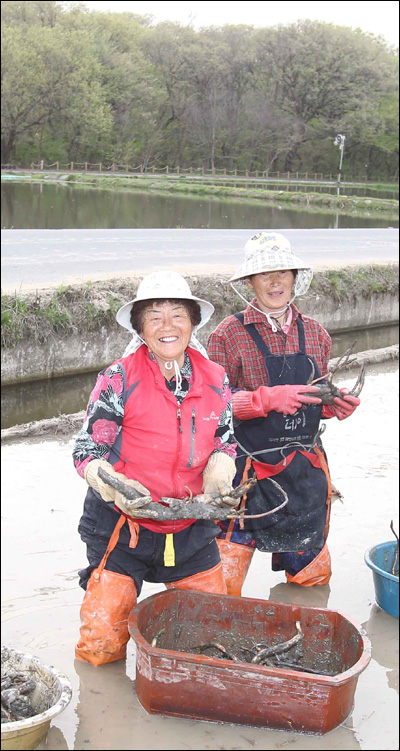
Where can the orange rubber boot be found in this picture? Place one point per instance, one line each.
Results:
(317, 572)
(236, 560)
(109, 598)
(205, 581)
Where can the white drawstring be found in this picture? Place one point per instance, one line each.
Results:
(178, 376)
(267, 315)
(271, 321)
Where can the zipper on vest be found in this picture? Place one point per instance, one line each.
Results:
(177, 455)
(179, 419)
(192, 432)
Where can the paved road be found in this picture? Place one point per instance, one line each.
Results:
(47, 257)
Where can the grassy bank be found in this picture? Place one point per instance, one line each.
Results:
(89, 307)
(184, 186)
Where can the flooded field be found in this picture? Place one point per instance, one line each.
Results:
(42, 552)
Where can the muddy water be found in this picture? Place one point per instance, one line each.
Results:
(42, 552)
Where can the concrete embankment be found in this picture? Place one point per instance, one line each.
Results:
(73, 330)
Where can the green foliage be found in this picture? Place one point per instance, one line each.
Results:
(58, 318)
(55, 74)
(114, 303)
(67, 309)
(89, 86)
(358, 281)
(6, 316)
(14, 319)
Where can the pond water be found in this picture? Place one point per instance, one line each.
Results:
(38, 400)
(40, 206)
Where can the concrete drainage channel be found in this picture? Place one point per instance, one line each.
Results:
(66, 424)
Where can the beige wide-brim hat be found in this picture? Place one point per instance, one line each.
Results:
(270, 251)
(166, 285)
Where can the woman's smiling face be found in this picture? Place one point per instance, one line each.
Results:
(273, 289)
(166, 329)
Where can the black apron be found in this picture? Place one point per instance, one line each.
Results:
(290, 459)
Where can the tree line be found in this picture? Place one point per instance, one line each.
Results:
(87, 86)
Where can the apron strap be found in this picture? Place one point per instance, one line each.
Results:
(244, 497)
(244, 477)
(302, 338)
(112, 542)
(255, 335)
(259, 341)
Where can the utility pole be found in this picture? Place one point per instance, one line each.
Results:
(339, 141)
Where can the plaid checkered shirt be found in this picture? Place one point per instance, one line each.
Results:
(232, 347)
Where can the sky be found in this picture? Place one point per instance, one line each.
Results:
(379, 18)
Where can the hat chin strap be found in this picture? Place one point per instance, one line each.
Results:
(267, 315)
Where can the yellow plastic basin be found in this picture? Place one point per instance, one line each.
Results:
(51, 696)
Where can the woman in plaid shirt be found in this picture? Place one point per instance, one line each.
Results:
(269, 352)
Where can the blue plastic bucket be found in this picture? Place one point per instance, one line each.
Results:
(380, 559)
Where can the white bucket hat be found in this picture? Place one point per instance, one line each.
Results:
(270, 251)
(166, 285)
(163, 285)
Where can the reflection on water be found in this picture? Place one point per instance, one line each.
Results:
(41, 206)
(21, 403)
(372, 338)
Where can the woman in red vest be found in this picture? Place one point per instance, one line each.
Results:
(160, 419)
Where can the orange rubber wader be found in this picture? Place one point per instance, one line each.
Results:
(108, 601)
(205, 581)
(235, 558)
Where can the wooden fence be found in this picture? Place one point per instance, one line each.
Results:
(140, 169)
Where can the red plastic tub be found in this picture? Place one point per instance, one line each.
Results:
(172, 680)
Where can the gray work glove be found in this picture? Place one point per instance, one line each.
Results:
(109, 494)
